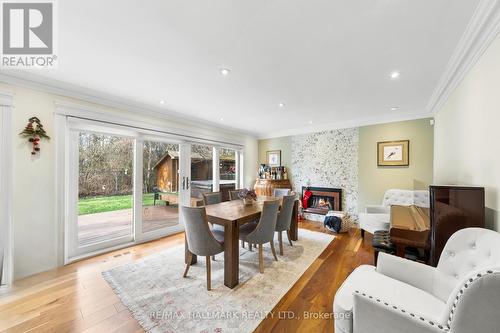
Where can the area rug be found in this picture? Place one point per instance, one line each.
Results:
(161, 300)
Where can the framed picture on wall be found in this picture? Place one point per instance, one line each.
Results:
(273, 157)
(393, 153)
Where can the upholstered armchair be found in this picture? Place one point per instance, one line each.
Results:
(460, 295)
(377, 217)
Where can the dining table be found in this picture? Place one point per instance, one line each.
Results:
(232, 215)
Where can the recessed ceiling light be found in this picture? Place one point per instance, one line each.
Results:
(394, 108)
(221, 119)
(162, 102)
(394, 75)
(310, 121)
(225, 71)
(281, 105)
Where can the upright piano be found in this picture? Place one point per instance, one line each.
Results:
(451, 208)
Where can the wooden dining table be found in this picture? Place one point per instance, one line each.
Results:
(232, 215)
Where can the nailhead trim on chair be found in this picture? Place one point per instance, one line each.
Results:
(462, 290)
(444, 328)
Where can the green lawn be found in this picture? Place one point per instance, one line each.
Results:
(94, 205)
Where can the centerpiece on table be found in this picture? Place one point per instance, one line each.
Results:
(248, 196)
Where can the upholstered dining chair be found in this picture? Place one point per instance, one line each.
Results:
(280, 192)
(233, 194)
(212, 198)
(263, 232)
(201, 241)
(284, 220)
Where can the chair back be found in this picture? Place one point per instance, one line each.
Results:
(280, 192)
(475, 307)
(200, 239)
(264, 232)
(233, 194)
(421, 198)
(398, 197)
(406, 198)
(212, 198)
(285, 216)
(467, 251)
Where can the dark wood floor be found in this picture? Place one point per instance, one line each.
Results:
(75, 298)
(314, 291)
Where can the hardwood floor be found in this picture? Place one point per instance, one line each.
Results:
(75, 298)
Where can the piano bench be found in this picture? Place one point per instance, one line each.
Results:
(381, 242)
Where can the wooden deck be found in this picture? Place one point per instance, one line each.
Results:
(95, 228)
(75, 298)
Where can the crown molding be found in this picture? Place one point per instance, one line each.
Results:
(367, 121)
(52, 86)
(482, 29)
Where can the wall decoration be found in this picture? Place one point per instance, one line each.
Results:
(273, 157)
(34, 132)
(393, 153)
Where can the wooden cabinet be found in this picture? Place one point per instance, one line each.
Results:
(266, 187)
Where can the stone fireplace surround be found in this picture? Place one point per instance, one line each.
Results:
(327, 159)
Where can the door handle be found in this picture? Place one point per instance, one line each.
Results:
(183, 183)
(187, 183)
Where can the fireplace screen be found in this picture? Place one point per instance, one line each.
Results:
(321, 199)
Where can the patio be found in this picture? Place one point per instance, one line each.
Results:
(99, 227)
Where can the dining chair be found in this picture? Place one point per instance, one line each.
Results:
(201, 241)
(281, 192)
(233, 194)
(212, 198)
(284, 220)
(263, 232)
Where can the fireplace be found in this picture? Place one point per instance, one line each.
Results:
(323, 199)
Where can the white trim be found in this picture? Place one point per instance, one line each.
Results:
(242, 169)
(381, 119)
(52, 86)
(6, 104)
(87, 113)
(138, 187)
(6, 98)
(61, 139)
(237, 163)
(215, 169)
(482, 29)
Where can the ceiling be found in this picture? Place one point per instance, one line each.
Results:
(328, 61)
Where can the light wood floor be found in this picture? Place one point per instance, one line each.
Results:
(75, 298)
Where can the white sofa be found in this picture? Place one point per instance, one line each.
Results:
(460, 295)
(378, 217)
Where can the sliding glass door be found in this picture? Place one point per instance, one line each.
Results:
(123, 187)
(101, 190)
(161, 188)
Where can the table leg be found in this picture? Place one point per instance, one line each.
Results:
(194, 257)
(294, 234)
(231, 255)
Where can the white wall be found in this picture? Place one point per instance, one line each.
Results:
(35, 232)
(467, 133)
